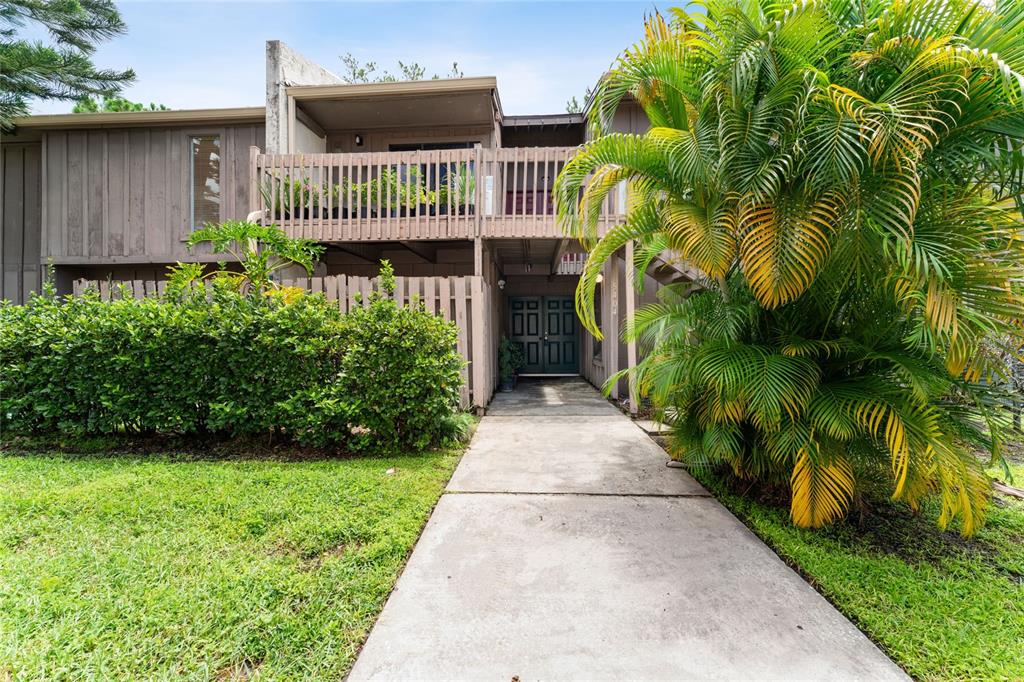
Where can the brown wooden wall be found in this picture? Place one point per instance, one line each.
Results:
(629, 118)
(343, 141)
(121, 195)
(20, 219)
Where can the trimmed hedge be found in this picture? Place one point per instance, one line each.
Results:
(381, 378)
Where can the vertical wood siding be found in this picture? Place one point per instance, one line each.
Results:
(120, 193)
(20, 220)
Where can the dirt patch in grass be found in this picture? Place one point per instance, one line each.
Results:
(238, 672)
(311, 560)
(887, 528)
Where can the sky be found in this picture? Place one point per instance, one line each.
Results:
(211, 54)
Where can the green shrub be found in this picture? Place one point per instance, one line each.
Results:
(399, 380)
(229, 364)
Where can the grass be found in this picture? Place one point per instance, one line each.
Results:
(158, 567)
(941, 606)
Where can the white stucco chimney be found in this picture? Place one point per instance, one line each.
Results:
(287, 67)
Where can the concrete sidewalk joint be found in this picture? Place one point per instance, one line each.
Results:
(565, 549)
(513, 492)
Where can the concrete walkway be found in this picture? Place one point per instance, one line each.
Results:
(564, 549)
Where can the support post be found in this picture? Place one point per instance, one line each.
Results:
(634, 394)
(254, 179)
(481, 352)
(477, 188)
(478, 256)
(291, 125)
(556, 258)
(611, 341)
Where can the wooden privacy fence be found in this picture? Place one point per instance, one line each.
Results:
(470, 302)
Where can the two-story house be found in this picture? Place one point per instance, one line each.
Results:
(429, 174)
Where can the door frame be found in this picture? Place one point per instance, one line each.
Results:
(542, 332)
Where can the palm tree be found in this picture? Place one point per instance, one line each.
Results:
(843, 175)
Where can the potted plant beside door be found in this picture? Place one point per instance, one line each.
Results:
(510, 361)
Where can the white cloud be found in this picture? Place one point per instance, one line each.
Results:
(540, 65)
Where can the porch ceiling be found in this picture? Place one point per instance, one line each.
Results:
(394, 105)
(518, 256)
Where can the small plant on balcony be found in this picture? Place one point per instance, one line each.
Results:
(394, 194)
(364, 197)
(338, 196)
(287, 198)
(407, 194)
(458, 190)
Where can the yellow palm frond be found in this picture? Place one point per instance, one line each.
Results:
(821, 491)
(706, 239)
(785, 243)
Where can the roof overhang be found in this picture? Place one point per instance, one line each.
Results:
(123, 119)
(543, 121)
(448, 101)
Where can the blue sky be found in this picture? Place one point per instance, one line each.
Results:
(211, 54)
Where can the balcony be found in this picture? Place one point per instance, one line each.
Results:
(421, 195)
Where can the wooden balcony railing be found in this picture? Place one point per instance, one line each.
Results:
(435, 194)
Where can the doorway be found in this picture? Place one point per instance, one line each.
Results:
(545, 328)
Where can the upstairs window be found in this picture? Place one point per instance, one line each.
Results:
(205, 180)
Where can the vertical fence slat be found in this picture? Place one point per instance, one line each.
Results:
(444, 296)
(430, 294)
(411, 286)
(353, 289)
(400, 291)
(459, 285)
(479, 352)
(345, 286)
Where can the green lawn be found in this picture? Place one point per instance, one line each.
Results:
(941, 606)
(163, 568)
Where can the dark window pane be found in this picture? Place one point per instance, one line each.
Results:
(205, 185)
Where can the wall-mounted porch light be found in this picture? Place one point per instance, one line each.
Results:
(359, 140)
(501, 284)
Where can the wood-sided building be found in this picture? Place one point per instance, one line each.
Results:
(429, 174)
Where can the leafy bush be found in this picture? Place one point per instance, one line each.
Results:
(399, 382)
(261, 251)
(229, 364)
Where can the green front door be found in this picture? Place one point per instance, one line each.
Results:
(545, 328)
